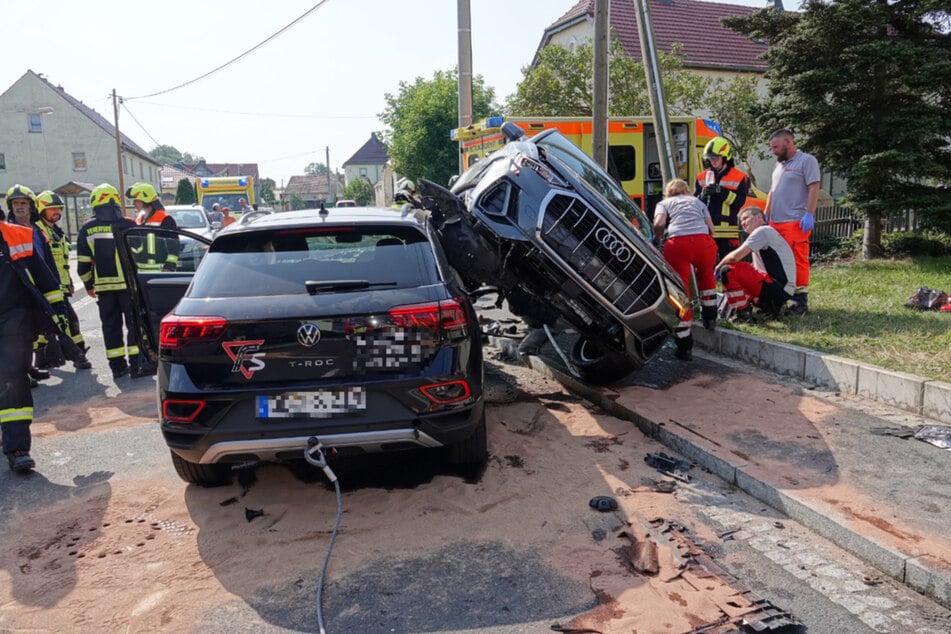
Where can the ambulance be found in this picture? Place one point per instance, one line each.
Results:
(632, 149)
(224, 190)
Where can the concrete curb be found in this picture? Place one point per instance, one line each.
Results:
(911, 393)
(922, 573)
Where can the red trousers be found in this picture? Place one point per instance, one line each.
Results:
(798, 241)
(697, 252)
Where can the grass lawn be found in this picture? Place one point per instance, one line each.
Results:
(856, 310)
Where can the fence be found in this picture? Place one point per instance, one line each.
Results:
(836, 223)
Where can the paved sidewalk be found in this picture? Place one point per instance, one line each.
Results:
(832, 459)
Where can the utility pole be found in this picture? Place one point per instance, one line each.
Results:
(465, 67)
(330, 191)
(115, 112)
(599, 107)
(655, 90)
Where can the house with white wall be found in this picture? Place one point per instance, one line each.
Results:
(51, 140)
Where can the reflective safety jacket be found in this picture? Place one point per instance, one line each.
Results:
(25, 279)
(157, 253)
(725, 206)
(96, 259)
(59, 247)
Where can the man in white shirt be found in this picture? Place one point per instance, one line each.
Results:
(770, 281)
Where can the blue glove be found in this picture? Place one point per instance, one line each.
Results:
(808, 222)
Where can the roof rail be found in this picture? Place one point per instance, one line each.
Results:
(252, 215)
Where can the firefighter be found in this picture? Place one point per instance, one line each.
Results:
(723, 188)
(156, 254)
(30, 301)
(689, 245)
(50, 207)
(98, 268)
(21, 203)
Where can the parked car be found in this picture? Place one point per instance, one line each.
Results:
(194, 219)
(346, 203)
(347, 325)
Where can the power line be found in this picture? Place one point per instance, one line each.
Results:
(147, 133)
(241, 56)
(258, 114)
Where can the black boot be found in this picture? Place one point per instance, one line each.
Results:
(684, 350)
(20, 461)
(119, 368)
(799, 304)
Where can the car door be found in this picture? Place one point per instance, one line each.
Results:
(156, 292)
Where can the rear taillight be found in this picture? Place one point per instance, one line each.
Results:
(177, 331)
(181, 411)
(446, 393)
(448, 317)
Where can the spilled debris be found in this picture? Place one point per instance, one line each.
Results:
(668, 465)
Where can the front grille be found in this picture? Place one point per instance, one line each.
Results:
(600, 254)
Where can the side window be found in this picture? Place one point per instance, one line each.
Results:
(35, 122)
(79, 161)
(363, 171)
(3, 162)
(622, 159)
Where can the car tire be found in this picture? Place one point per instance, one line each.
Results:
(597, 366)
(204, 475)
(473, 452)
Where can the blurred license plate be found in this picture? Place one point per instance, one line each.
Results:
(319, 404)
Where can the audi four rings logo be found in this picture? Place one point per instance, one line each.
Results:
(614, 244)
(308, 335)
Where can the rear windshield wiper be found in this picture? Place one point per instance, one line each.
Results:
(314, 287)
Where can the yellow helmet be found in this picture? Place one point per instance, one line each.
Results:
(103, 195)
(48, 200)
(143, 192)
(718, 146)
(20, 191)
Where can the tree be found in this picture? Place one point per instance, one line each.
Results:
(561, 84)
(735, 105)
(316, 169)
(866, 86)
(419, 119)
(296, 201)
(185, 194)
(359, 190)
(169, 155)
(267, 190)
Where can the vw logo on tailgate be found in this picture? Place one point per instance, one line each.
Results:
(308, 335)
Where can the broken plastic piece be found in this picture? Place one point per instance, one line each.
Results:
(603, 503)
(669, 465)
(937, 435)
(250, 514)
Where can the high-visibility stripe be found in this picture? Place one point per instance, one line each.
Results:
(115, 353)
(16, 415)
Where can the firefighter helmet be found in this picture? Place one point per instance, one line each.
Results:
(21, 191)
(103, 195)
(718, 146)
(48, 200)
(143, 192)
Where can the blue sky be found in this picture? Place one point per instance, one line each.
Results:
(319, 84)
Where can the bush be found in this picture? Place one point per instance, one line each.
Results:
(916, 244)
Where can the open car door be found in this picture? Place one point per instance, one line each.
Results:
(156, 289)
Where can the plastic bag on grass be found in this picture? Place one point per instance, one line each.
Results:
(927, 299)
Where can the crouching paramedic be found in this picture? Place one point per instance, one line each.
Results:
(98, 268)
(154, 254)
(770, 281)
(50, 207)
(31, 302)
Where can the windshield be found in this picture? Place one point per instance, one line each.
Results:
(231, 201)
(190, 219)
(571, 155)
